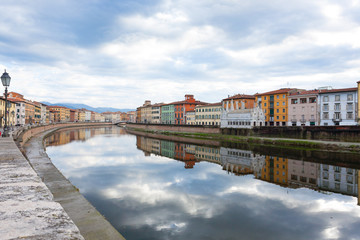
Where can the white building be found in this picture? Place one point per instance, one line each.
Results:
(87, 116)
(233, 117)
(43, 113)
(338, 179)
(338, 106)
(20, 113)
(240, 161)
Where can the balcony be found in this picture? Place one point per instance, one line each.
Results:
(312, 120)
(302, 120)
(337, 119)
(293, 120)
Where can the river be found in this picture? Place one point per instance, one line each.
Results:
(154, 188)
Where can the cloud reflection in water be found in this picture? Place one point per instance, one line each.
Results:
(155, 197)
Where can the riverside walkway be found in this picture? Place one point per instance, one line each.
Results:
(37, 201)
(27, 207)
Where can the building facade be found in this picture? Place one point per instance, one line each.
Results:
(338, 106)
(190, 118)
(168, 114)
(303, 108)
(242, 118)
(208, 114)
(275, 105)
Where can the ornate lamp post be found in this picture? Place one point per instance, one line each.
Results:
(5, 79)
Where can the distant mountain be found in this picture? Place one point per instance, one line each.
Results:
(98, 109)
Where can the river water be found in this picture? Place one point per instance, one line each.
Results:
(151, 188)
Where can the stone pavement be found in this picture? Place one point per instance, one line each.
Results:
(91, 223)
(27, 207)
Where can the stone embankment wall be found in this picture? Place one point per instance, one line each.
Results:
(328, 133)
(174, 128)
(24, 134)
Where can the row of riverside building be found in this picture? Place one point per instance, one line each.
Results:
(324, 106)
(23, 112)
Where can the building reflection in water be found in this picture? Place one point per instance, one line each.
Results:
(65, 136)
(291, 173)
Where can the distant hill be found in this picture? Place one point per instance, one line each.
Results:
(98, 109)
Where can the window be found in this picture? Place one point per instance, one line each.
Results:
(283, 110)
(294, 177)
(265, 98)
(326, 98)
(349, 106)
(337, 115)
(337, 107)
(303, 100)
(325, 115)
(349, 178)
(349, 115)
(337, 177)
(337, 97)
(312, 100)
(277, 96)
(294, 101)
(349, 97)
(303, 179)
(277, 110)
(277, 104)
(326, 107)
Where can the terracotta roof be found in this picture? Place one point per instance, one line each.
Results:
(307, 92)
(184, 101)
(279, 91)
(338, 90)
(56, 107)
(240, 96)
(9, 99)
(210, 104)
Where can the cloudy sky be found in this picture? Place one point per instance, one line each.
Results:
(120, 53)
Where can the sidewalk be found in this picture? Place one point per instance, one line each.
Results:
(27, 207)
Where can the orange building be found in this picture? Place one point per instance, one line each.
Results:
(239, 101)
(182, 107)
(275, 170)
(275, 105)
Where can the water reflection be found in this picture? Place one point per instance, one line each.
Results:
(174, 190)
(286, 172)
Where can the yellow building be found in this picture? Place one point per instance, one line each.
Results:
(11, 113)
(208, 114)
(62, 114)
(275, 105)
(81, 116)
(275, 170)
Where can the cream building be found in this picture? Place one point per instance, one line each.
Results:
(190, 118)
(155, 115)
(209, 114)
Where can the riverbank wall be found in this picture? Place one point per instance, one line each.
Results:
(325, 133)
(22, 135)
(88, 221)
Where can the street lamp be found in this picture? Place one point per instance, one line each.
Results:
(5, 79)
